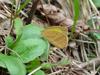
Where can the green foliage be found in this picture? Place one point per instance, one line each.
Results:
(64, 61)
(22, 6)
(76, 14)
(28, 44)
(39, 72)
(31, 31)
(33, 65)
(94, 35)
(97, 3)
(13, 64)
(18, 24)
(30, 49)
(97, 35)
(47, 65)
(44, 57)
(9, 41)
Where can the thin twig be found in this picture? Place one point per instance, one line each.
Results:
(35, 70)
(54, 73)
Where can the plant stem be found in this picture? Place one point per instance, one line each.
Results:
(35, 70)
(32, 11)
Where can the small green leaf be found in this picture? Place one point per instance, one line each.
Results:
(94, 35)
(64, 61)
(90, 22)
(9, 40)
(97, 35)
(13, 64)
(33, 65)
(39, 72)
(47, 65)
(22, 6)
(18, 24)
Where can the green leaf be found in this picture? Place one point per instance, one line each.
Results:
(64, 61)
(22, 6)
(14, 65)
(97, 3)
(18, 25)
(90, 22)
(33, 65)
(97, 35)
(28, 31)
(31, 31)
(2, 64)
(30, 49)
(39, 72)
(30, 44)
(76, 14)
(9, 40)
(45, 55)
(47, 65)
(36, 49)
(94, 35)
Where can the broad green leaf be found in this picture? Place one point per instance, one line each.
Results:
(31, 31)
(36, 49)
(30, 49)
(39, 72)
(97, 3)
(28, 31)
(13, 64)
(9, 40)
(30, 44)
(18, 25)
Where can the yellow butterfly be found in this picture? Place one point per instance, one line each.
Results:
(56, 35)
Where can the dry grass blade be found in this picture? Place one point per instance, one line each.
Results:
(5, 1)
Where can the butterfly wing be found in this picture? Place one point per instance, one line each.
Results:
(56, 36)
